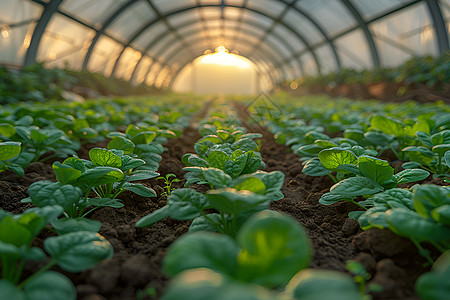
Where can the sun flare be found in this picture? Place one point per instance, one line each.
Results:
(224, 58)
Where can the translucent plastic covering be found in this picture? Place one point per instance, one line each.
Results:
(151, 41)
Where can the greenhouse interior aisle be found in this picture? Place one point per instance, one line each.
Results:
(225, 149)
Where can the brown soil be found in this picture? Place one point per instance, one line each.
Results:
(393, 261)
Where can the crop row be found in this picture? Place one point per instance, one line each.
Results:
(237, 248)
(348, 140)
(82, 186)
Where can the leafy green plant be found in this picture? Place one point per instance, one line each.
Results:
(431, 155)
(168, 183)
(330, 159)
(395, 134)
(361, 276)
(108, 174)
(422, 215)
(269, 251)
(372, 175)
(234, 200)
(9, 150)
(72, 252)
(434, 285)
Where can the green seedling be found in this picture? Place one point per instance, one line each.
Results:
(168, 183)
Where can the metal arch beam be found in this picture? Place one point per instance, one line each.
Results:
(353, 28)
(240, 7)
(50, 9)
(103, 28)
(245, 31)
(276, 21)
(439, 26)
(188, 23)
(369, 37)
(240, 19)
(322, 31)
(161, 17)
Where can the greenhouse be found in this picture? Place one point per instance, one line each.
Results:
(225, 149)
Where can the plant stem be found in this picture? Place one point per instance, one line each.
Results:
(332, 177)
(354, 202)
(19, 271)
(45, 268)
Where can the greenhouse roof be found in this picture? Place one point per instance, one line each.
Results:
(152, 40)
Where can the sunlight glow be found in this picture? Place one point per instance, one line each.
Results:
(224, 58)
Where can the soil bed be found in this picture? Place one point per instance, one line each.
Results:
(393, 261)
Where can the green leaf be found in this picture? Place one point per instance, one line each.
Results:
(376, 169)
(313, 167)
(423, 150)
(232, 201)
(16, 168)
(378, 138)
(186, 204)
(105, 158)
(234, 168)
(249, 183)
(49, 286)
(428, 197)
(211, 138)
(202, 249)
(101, 175)
(205, 284)
(425, 138)
(334, 157)
(14, 233)
(217, 159)
(9, 150)
(312, 284)
(44, 193)
(205, 223)
(388, 125)
(139, 189)
(105, 202)
(7, 130)
(197, 161)
(442, 214)
(78, 251)
(273, 181)
(64, 173)
(447, 158)
(274, 247)
(330, 198)
(144, 137)
(121, 143)
(325, 143)
(142, 175)
(49, 212)
(11, 291)
(435, 285)
(356, 186)
(253, 163)
(245, 144)
(66, 225)
(411, 225)
(217, 178)
(154, 217)
(411, 175)
(441, 149)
